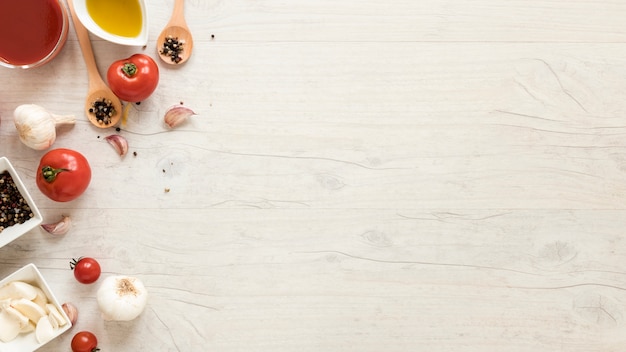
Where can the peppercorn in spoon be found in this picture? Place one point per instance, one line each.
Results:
(175, 42)
(102, 107)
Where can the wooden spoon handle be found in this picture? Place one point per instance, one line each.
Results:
(178, 14)
(85, 47)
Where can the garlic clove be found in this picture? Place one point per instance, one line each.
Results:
(176, 115)
(119, 143)
(71, 312)
(59, 228)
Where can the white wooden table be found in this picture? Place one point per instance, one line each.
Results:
(432, 175)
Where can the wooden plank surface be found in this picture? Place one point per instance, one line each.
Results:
(361, 176)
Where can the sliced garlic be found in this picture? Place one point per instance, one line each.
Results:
(18, 289)
(44, 331)
(9, 326)
(29, 308)
(30, 327)
(119, 143)
(25, 308)
(41, 298)
(59, 228)
(55, 315)
(176, 115)
(17, 315)
(53, 322)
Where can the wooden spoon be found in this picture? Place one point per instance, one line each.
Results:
(98, 90)
(176, 28)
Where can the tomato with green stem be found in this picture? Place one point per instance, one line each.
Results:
(133, 79)
(63, 174)
(86, 269)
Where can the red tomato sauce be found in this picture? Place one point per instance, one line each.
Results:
(30, 30)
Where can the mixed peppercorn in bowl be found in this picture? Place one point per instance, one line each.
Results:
(18, 212)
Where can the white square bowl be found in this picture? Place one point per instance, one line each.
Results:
(13, 232)
(27, 342)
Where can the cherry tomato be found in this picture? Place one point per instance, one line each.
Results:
(84, 341)
(86, 269)
(63, 174)
(133, 79)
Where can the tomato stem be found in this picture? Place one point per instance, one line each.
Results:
(50, 174)
(74, 262)
(129, 69)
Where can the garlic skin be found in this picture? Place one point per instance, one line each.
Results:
(121, 298)
(36, 126)
(176, 115)
(119, 143)
(59, 228)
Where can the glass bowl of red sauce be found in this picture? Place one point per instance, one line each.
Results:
(33, 31)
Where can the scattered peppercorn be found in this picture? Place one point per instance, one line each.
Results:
(118, 129)
(103, 110)
(134, 153)
(172, 47)
(13, 207)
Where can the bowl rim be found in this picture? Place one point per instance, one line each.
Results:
(80, 8)
(14, 232)
(65, 27)
(29, 273)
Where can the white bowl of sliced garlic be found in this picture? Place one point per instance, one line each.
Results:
(30, 314)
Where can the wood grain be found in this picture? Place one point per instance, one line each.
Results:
(360, 176)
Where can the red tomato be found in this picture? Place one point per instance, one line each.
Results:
(84, 341)
(133, 79)
(63, 174)
(86, 270)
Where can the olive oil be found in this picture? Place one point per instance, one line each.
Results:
(118, 17)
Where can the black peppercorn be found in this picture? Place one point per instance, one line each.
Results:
(172, 47)
(13, 207)
(103, 110)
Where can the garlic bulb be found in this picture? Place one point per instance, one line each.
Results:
(36, 126)
(121, 298)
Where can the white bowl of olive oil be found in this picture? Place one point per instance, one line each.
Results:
(122, 22)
